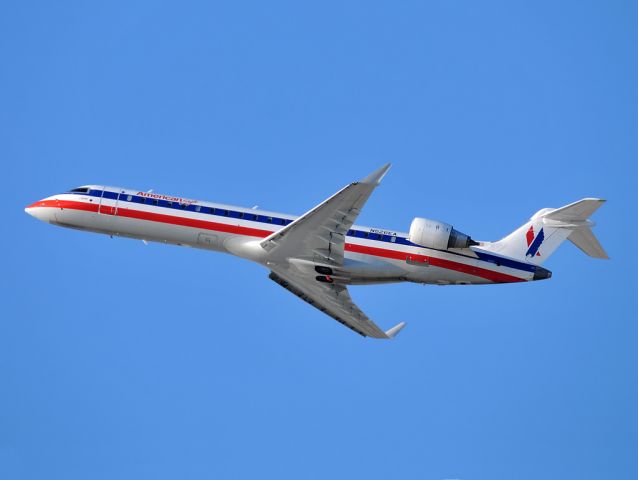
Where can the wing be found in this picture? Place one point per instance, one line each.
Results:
(320, 233)
(333, 300)
(318, 238)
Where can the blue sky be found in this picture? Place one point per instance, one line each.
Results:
(120, 360)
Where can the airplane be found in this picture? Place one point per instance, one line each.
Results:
(318, 254)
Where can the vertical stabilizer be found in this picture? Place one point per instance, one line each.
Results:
(536, 240)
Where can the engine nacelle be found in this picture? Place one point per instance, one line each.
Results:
(442, 236)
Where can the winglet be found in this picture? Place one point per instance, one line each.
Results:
(376, 176)
(394, 331)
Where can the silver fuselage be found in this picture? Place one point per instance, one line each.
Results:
(372, 255)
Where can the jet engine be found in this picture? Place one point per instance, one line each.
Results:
(441, 236)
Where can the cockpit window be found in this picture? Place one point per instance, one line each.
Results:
(80, 190)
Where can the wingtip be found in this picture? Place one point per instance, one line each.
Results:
(376, 176)
(394, 331)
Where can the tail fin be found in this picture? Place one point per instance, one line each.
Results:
(535, 241)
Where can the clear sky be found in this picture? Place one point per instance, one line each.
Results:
(120, 360)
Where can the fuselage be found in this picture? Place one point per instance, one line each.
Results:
(372, 255)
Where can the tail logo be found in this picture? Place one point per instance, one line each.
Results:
(534, 242)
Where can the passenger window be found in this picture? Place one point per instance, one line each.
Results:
(155, 201)
(393, 239)
(198, 208)
(129, 198)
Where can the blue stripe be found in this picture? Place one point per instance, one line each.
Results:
(254, 217)
(505, 262)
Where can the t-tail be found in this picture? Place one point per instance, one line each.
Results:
(535, 241)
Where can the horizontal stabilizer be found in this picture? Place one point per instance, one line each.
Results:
(585, 239)
(577, 211)
(394, 331)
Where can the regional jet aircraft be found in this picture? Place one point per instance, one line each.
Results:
(317, 255)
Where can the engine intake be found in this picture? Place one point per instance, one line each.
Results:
(433, 234)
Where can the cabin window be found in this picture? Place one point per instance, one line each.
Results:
(182, 206)
(393, 239)
(198, 208)
(129, 198)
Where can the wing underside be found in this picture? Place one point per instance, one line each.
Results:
(335, 301)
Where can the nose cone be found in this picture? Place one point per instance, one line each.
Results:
(30, 209)
(39, 210)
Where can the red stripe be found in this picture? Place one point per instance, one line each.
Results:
(191, 222)
(255, 232)
(434, 261)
